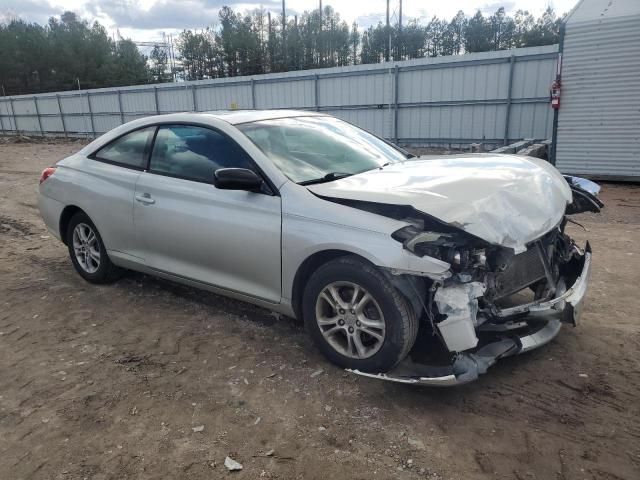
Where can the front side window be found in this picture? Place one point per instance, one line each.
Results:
(194, 153)
(130, 150)
(316, 149)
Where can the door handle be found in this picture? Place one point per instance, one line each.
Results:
(145, 198)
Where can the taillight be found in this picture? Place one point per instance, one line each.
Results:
(46, 173)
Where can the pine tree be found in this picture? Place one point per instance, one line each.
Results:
(55, 56)
(478, 34)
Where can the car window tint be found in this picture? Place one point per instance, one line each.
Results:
(128, 150)
(195, 153)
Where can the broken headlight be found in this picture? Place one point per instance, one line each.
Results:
(448, 247)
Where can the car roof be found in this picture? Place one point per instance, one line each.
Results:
(232, 117)
(235, 117)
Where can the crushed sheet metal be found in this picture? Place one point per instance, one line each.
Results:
(447, 380)
(432, 276)
(541, 337)
(507, 200)
(584, 183)
(474, 365)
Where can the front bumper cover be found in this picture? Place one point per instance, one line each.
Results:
(543, 319)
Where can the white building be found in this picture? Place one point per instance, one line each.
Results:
(598, 130)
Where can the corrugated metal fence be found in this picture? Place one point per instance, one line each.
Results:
(489, 97)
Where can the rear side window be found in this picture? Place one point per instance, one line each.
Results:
(194, 153)
(129, 150)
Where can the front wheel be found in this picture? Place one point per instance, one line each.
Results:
(356, 317)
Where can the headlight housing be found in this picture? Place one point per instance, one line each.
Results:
(453, 248)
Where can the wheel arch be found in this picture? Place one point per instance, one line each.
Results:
(308, 267)
(65, 217)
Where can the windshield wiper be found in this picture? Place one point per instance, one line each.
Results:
(327, 178)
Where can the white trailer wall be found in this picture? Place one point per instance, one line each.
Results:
(599, 117)
(489, 97)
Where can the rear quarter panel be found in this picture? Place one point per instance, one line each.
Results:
(103, 191)
(50, 210)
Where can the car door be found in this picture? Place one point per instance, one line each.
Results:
(107, 182)
(189, 228)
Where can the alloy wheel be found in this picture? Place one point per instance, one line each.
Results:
(350, 320)
(86, 247)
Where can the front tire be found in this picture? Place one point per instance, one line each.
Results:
(356, 317)
(87, 251)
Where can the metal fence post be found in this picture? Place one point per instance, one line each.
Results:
(193, 98)
(556, 112)
(93, 130)
(253, 93)
(316, 103)
(35, 103)
(155, 98)
(64, 126)
(1, 117)
(13, 116)
(396, 74)
(507, 115)
(120, 107)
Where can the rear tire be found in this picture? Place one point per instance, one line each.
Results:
(87, 251)
(356, 317)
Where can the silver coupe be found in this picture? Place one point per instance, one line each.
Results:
(412, 269)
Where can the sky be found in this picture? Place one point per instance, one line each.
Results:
(146, 20)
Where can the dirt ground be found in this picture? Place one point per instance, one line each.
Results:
(108, 382)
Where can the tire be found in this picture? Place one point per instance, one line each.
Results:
(387, 313)
(98, 271)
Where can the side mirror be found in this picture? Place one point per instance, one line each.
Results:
(237, 179)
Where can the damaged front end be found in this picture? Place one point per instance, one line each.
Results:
(496, 303)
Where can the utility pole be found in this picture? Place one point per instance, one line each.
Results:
(399, 39)
(296, 56)
(320, 38)
(269, 42)
(331, 47)
(388, 47)
(284, 36)
(172, 58)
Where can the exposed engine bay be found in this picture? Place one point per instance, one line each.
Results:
(496, 302)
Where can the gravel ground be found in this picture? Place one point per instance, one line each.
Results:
(148, 379)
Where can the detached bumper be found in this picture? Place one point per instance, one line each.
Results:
(542, 322)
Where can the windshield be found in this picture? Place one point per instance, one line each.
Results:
(316, 149)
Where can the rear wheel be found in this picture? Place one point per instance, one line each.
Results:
(87, 251)
(356, 317)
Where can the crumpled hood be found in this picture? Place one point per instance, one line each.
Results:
(507, 200)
